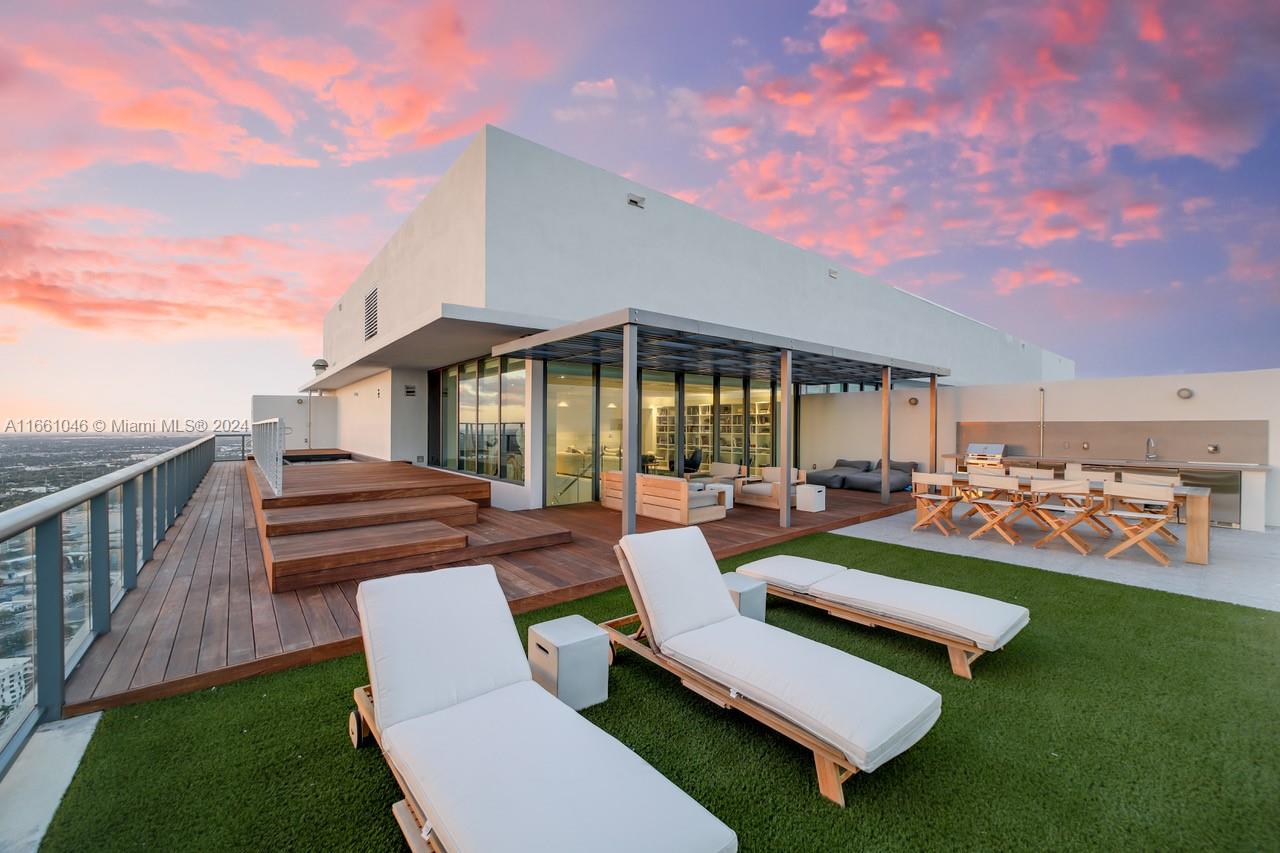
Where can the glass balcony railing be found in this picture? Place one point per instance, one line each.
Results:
(67, 560)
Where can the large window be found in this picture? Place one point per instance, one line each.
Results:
(570, 461)
(732, 422)
(699, 420)
(610, 419)
(760, 425)
(658, 422)
(482, 411)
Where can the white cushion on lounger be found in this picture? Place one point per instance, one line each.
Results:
(517, 770)
(407, 620)
(793, 573)
(866, 711)
(671, 569)
(986, 622)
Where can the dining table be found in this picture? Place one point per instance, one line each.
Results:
(1194, 501)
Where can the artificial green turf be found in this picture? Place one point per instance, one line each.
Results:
(1119, 718)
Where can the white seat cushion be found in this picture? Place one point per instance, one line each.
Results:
(793, 573)
(517, 770)
(701, 499)
(867, 712)
(985, 622)
(678, 579)
(433, 639)
(764, 489)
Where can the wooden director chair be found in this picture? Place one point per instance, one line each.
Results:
(1074, 505)
(1140, 510)
(934, 507)
(997, 499)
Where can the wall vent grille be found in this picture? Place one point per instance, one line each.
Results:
(371, 314)
(411, 390)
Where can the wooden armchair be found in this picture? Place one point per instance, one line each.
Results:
(665, 498)
(767, 492)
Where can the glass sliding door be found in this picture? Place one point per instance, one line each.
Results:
(487, 417)
(468, 376)
(449, 417)
(699, 419)
(732, 433)
(760, 426)
(610, 428)
(658, 422)
(570, 443)
(512, 445)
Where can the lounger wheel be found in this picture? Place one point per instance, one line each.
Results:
(359, 730)
(611, 651)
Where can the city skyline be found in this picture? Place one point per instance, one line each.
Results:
(192, 185)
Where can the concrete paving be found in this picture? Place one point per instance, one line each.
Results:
(1244, 566)
(33, 787)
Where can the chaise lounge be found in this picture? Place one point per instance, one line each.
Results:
(968, 625)
(487, 760)
(853, 715)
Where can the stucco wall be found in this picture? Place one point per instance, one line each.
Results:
(848, 425)
(364, 416)
(408, 416)
(436, 256)
(562, 241)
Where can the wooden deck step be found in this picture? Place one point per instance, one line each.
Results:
(447, 509)
(496, 533)
(333, 549)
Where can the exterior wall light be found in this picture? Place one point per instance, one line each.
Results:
(1185, 393)
(913, 401)
(320, 366)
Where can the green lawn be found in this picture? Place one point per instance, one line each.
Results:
(1119, 718)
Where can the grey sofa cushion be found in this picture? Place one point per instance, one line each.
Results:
(830, 478)
(895, 465)
(855, 464)
(869, 481)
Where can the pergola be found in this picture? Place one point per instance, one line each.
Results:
(636, 340)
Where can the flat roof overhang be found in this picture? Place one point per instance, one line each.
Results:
(667, 342)
(454, 333)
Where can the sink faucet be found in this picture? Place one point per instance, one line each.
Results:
(1151, 448)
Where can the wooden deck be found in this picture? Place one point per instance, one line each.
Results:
(203, 614)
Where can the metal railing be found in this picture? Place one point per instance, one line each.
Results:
(66, 561)
(268, 451)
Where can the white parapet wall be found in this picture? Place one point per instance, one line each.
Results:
(848, 425)
(310, 421)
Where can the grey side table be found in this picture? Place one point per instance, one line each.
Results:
(570, 658)
(748, 594)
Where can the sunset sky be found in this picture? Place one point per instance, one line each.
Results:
(185, 187)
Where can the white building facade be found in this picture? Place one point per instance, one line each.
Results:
(516, 239)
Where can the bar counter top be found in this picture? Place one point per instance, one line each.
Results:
(1129, 463)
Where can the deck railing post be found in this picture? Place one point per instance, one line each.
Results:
(129, 532)
(162, 500)
(50, 660)
(148, 514)
(99, 564)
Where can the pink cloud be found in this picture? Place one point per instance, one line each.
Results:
(829, 9)
(842, 39)
(605, 88)
(1008, 281)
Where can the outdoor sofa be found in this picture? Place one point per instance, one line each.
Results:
(862, 475)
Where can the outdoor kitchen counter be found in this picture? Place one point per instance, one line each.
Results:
(1126, 463)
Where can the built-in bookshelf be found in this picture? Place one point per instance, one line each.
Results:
(700, 431)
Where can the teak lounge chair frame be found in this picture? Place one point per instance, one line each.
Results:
(363, 727)
(961, 653)
(833, 768)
